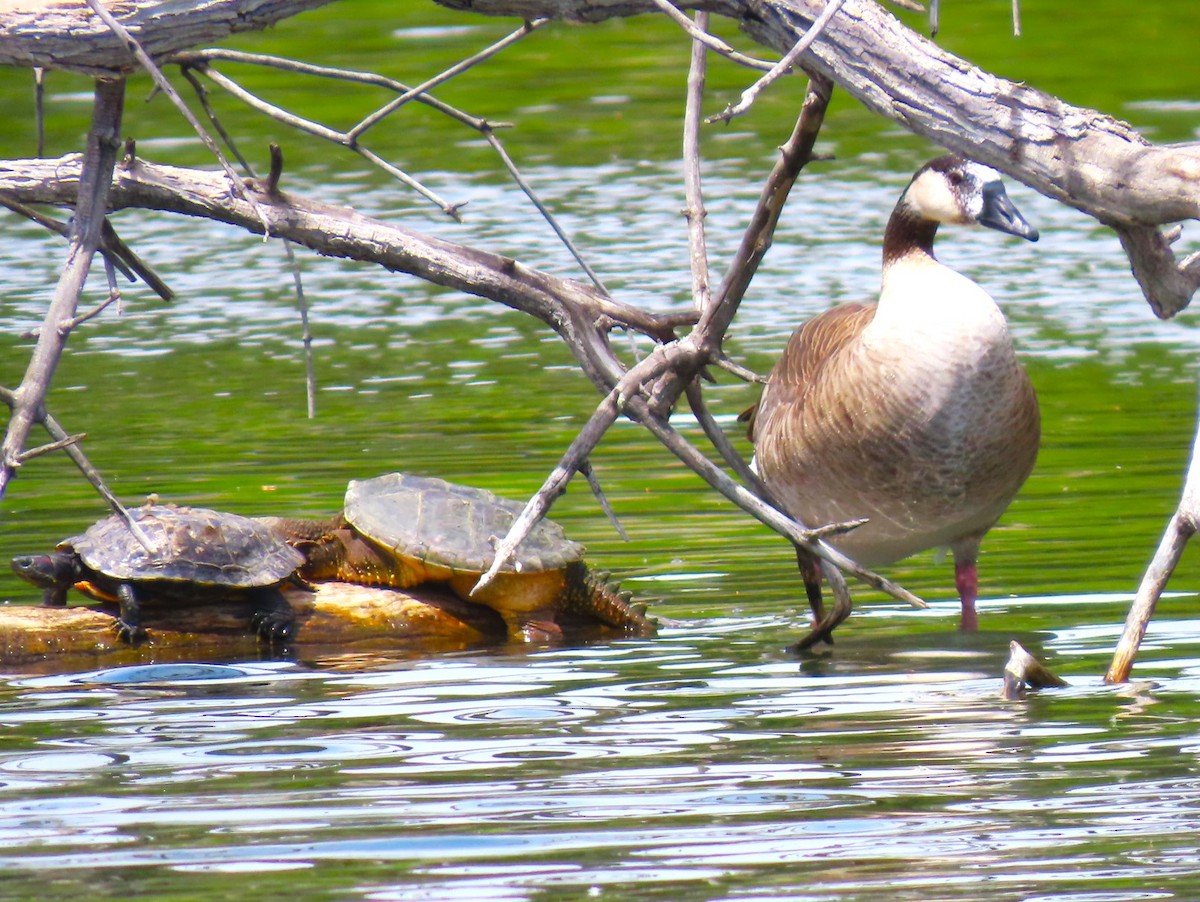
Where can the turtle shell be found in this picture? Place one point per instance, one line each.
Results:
(455, 526)
(193, 544)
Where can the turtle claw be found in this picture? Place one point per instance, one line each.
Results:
(131, 634)
(272, 627)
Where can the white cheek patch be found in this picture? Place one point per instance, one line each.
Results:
(931, 196)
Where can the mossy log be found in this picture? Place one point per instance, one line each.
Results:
(336, 618)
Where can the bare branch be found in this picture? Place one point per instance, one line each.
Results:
(52, 446)
(166, 87)
(1183, 525)
(699, 34)
(96, 174)
(585, 467)
(693, 191)
(457, 69)
(541, 208)
(782, 67)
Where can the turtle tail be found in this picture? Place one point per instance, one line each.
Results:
(590, 596)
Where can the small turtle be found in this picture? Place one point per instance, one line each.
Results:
(401, 530)
(201, 556)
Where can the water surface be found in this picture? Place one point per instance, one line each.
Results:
(707, 763)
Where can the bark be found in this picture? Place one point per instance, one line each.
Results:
(337, 617)
(67, 35)
(1180, 529)
(1081, 157)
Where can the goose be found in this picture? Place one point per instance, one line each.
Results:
(912, 412)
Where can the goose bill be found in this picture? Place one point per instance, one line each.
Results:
(1000, 214)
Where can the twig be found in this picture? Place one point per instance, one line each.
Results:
(782, 67)
(585, 467)
(113, 296)
(694, 211)
(746, 375)
(165, 86)
(272, 188)
(115, 251)
(699, 34)
(763, 512)
(541, 208)
(457, 69)
(39, 107)
(1182, 526)
(198, 59)
(52, 446)
(95, 181)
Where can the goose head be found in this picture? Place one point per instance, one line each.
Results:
(953, 190)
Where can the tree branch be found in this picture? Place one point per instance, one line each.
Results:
(1081, 157)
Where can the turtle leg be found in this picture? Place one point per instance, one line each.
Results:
(535, 627)
(129, 620)
(55, 597)
(272, 618)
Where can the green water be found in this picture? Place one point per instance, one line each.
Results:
(706, 763)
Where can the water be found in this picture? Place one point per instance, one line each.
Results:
(707, 763)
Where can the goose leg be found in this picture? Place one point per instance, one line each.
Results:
(966, 581)
(810, 572)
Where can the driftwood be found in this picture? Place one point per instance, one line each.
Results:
(1182, 526)
(336, 616)
(65, 34)
(1080, 157)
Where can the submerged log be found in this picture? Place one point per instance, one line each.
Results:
(337, 617)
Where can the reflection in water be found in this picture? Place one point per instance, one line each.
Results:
(705, 764)
(694, 760)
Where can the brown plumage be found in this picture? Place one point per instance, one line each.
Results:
(913, 412)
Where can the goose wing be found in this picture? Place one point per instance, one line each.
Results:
(812, 347)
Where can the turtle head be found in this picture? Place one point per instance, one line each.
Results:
(55, 572)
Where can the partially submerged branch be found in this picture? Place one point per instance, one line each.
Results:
(1183, 524)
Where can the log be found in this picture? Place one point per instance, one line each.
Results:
(67, 34)
(1081, 157)
(337, 617)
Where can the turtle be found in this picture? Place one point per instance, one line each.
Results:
(200, 556)
(402, 530)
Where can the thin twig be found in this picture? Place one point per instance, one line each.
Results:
(699, 33)
(782, 67)
(197, 59)
(52, 446)
(763, 512)
(165, 86)
(457, 69)
(39, 107)
(541, 208)
(1182, 526)
(115, 251)
(113, 296)
(743, 373)
(95, 182)
(310, 379)
(694, 210)
(585, 467)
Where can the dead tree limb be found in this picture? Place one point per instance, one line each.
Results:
(1081, 157)
(68, 36)
(1182, 526)
(95, 179)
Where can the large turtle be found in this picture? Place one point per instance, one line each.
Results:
(200, 556)
(402, 530)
